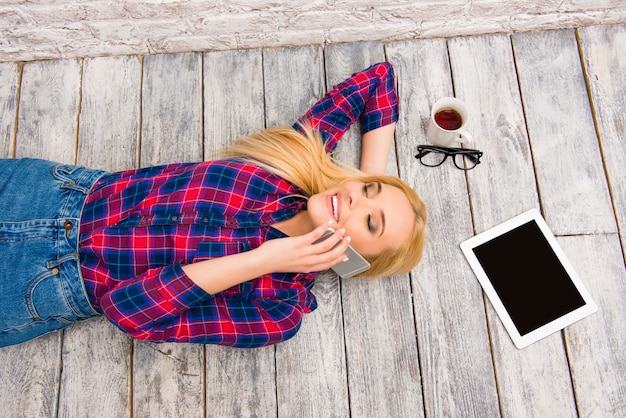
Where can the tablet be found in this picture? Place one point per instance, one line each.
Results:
(526, 276)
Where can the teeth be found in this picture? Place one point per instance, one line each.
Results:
(334, 202)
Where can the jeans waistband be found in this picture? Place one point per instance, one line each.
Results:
(78, 181)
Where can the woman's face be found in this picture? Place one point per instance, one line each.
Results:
(376, 216)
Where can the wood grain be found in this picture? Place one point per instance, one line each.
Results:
(605, 69)
(233, 97)
(9, 89)
(110, 117)
(534, 381)
(446, 329)
(233, 107)
(168, 378)
(568, 164)
(30, 374)
(48, 111)
(96, 355)
(595, 345)
(426, 345)
(171, 109)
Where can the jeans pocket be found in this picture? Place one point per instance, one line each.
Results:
(45, 298)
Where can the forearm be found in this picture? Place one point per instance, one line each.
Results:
(284, 255)
(368, 95)
(375, 148)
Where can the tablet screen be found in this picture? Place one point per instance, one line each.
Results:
(528, 277)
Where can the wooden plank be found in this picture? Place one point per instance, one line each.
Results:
(370, 307)
(568, 165)
(534, 381)
(233, 107)
(591, 343)
(96, 355)
(171, 131)
(48, 110)
(449, 324)
(315, 358)
(171, 109)
(605, 66)
(30, 377)
(108, 137)
(96, 370)
(168, 380)
(595, 345)
(233, 97)
(294, 81)
(9, 90)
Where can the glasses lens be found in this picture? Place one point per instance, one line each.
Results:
(432, 158)
(466, 161)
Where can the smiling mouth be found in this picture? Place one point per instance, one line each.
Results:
(334, 202)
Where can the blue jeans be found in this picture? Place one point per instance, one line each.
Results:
(41, 285)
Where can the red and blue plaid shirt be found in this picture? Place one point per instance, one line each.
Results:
(140, 226)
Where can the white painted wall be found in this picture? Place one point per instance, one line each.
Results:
(41, 29)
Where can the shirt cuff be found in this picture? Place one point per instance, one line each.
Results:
(176, 287)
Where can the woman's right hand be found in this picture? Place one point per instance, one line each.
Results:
(282, 255)
(301, 254)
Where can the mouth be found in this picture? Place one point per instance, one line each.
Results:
(335, 207)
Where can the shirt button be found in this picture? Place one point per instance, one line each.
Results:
(174, 218)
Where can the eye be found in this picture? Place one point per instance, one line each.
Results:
(370, 226)
(370, 188)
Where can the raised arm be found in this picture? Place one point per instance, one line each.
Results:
(375, 149)
(369, 96)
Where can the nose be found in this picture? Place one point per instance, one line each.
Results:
(353, 200)
(358, 202)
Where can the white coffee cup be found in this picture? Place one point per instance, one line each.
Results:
(448, 117)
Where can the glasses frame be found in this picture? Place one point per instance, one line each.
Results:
(472, 154)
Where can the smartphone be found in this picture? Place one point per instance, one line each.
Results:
(354, 265)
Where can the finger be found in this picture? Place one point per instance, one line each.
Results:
(336, 256)
(319, 234)
(329, 243)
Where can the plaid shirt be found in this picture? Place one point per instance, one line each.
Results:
(140, 226)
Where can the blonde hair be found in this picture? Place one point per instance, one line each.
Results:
(302, 160)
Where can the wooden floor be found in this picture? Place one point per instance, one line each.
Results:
(549, 113)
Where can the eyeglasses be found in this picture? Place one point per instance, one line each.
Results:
(463, 158)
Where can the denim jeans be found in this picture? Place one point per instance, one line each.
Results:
(41, 285)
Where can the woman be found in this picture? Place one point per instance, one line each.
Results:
(219, 252)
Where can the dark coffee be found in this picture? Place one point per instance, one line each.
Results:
(448, 119)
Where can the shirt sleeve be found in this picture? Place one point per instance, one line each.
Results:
(165, 305)
(369, 96)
